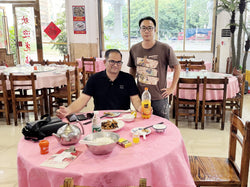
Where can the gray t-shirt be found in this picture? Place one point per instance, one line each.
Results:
(151, 66)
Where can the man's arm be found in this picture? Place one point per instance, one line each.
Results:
(74, 107)
(132, 71)
(136, 101)
(171, 89)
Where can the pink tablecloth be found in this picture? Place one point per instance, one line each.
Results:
(99, 65)
(232, 87)
(161, 158)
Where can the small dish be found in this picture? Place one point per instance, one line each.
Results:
(120, 125)
(128, 117)
(141, 131)
(160, 127)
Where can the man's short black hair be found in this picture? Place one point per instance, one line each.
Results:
(147, 18)
(112, 51)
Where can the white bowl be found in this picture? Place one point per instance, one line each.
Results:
(128, 117)
(160, 127)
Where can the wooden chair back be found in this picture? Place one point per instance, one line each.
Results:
(59, 62)
(214, 64)
(38, 62)
(70, 63)
(214, 171)
(183, 106)
(214, 85)
(229, 67)
(4, 98)
(66, 58)
(237, 101)
(192, 67)
(25, 82)
(185, 57)
(200, 62)
(92, 63)
(69, 182)
(65, 94)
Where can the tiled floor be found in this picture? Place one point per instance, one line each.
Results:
(209, 142)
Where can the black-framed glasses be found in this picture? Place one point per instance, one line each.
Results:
(150, 29)
(113, 62)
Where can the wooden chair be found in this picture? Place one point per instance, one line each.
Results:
(229, 67)
(59, 62)
(214, 171)
(65, 94)
(214, 64)
(19, 101)
(66, 58)
(210, 105)
(37, 62)
(196, 67)
(200, 62)
(69, 182)
(185, 57)
(185, 105)
(89, 61)
(237, 101)
(4, 98)
(70, 63)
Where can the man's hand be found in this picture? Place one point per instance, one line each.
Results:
(166, 92)
(62, 112)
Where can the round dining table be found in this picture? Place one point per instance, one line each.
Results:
(232, 86)
(161, 158)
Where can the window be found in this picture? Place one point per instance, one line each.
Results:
(184, 24)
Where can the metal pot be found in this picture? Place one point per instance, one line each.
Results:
(68, 134)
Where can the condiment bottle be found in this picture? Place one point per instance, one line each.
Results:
(146, 104)
(44, 146)
(96, 122)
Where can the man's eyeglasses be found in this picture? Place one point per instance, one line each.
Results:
(150, 29)
(113, 62)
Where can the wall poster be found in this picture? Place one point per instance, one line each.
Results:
(79, 21)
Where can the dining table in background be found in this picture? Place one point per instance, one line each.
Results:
(161, 158)
(50, 78)
(99, 64)
(232, 87)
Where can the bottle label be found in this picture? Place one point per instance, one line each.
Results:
(146, 105)
(96, 129)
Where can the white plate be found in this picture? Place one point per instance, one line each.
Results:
(119, 123)
(140, 131)
(112, 114)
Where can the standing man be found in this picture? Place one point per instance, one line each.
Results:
(111, 89)
(149, 61)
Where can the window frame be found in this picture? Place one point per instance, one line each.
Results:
(101, 25)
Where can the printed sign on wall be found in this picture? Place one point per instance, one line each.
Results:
(79, 21)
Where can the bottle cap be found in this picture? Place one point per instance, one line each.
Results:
(96, 112)
(146, 88)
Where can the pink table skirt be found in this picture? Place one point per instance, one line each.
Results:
(99, 65)
(232, 86)
(161, 158)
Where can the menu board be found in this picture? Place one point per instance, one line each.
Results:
(79, 20)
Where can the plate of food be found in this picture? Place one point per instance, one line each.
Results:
(141, 131)
(112, 114)
(112, 125)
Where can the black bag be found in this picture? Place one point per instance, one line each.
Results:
(44, 127)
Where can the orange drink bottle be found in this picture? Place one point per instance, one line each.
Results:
(44, 146)
(146, 104)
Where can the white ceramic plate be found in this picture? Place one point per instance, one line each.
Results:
(112, 114)
(148, 131)
(119, 123)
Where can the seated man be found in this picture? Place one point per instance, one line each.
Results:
(111, 89)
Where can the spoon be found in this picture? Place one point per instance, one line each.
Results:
(150, 126)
